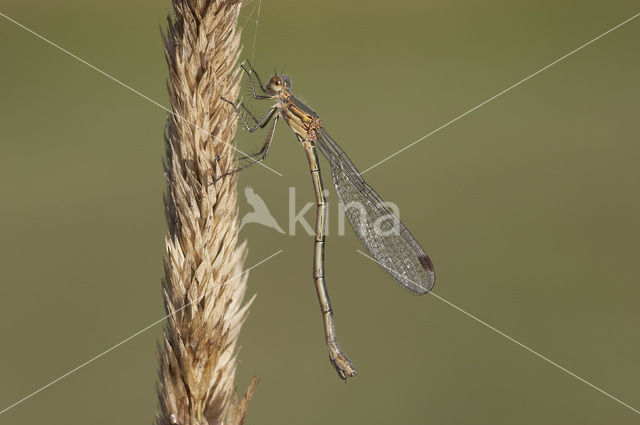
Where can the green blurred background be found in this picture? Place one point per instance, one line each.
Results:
(529, 208)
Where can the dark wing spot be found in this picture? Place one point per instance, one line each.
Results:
(426, 263)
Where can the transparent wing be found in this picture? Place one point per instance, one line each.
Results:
(380, 231)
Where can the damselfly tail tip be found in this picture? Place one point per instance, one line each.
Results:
(341, 362)
(345, 370)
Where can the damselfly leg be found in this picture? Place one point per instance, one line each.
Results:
(250, 72)
(258, 123)
(261, 155)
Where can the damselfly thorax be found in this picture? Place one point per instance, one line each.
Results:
(303, 122)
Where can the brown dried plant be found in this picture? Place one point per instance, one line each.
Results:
(203, 285)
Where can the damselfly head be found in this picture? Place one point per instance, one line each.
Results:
(277, 83)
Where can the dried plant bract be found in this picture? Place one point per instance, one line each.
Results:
(203, 289)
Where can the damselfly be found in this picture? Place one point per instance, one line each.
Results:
(378, 228)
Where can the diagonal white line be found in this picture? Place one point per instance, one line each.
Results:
(91, 360)
(517, 342)
(114, 79)
(502, 92)
(255, 34)
(250, 15)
